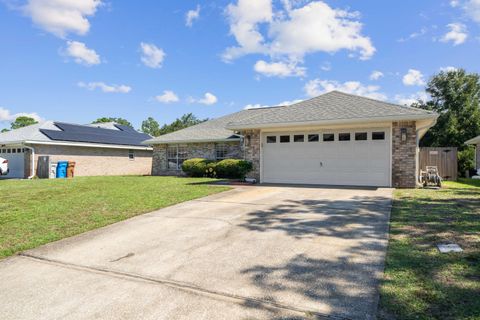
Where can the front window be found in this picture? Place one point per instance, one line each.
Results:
(220, 151)
(175, 156)
(131, 154)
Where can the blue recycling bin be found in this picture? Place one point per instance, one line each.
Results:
(62, 169)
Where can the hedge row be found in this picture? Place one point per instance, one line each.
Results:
(228, 168)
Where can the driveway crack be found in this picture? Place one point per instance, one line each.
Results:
(189, 287)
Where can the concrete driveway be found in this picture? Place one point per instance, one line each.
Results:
(258, 252)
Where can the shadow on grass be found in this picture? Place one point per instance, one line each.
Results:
(421, 283)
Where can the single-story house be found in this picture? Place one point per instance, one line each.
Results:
(476, 142)
(97, 149)
(333, 139)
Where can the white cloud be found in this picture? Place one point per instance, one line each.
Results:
(457, 34)
(472, 8)
(279, 69)
(413, 78)
(448, 69)
(412, 98)
(168, 96)
(7, 116)
(326, 66)
(208, 99)
(454, 3)
(152, 56)
(376, 75)
(61, 17)
(105, 87)
(294, 31)
(81, 54)
(414, 35)
(317, 87)
(191, 16)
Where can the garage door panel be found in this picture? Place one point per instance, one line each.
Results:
(16, 161)
(363, 163)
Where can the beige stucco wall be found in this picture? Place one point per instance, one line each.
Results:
(96, 161)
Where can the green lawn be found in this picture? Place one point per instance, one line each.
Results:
(34, 212)
(420, 282)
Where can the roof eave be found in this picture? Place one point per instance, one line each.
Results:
(155, 142)
(332, 122)
(475, 140)
(86, 144)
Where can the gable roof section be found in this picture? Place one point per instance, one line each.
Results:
(208, 131)
(57, 132)
(331, 108)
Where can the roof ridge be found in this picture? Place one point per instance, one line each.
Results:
(375, 100)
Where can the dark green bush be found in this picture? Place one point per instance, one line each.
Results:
(466, 160)
(233, 168)
(228, 168)
(195, 167)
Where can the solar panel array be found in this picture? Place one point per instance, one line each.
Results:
(78, 133)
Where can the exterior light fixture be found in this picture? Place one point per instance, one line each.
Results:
(403, 133)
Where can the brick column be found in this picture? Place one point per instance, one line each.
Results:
(252, 151)
(404, 155)
(159, 160)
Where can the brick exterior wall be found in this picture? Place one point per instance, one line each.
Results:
(194, 150)
(404, 155)
(252, 143)
(94, 161)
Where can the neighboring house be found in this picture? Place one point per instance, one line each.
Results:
(99, 149)
(333, 139)
(476, 142)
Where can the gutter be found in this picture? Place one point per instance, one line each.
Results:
(155, 142)
(85, 144)
(232, 126)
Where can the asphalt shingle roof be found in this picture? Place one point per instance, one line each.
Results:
(211, 130)
(65, 132)
(331, 106)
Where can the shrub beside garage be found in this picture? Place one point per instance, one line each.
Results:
(227, 168)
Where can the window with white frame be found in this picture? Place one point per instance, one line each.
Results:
(221, 151)
(175, 156)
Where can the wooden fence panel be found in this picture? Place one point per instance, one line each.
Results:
(445, 159)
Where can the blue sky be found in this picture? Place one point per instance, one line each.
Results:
(77, 60)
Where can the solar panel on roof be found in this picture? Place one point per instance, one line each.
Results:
(79, 133)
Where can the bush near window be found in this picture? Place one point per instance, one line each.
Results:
(227, 168)
(195, 167)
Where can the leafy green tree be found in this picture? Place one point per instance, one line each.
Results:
(455, 96)
(4, 130)
(151, 127)
(22, 121)
(121, 121)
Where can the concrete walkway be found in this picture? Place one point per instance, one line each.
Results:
(261, 252)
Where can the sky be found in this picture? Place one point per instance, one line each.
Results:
(78, 60)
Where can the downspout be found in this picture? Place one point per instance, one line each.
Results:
(33, 161)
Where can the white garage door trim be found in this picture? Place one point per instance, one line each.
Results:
(370, 177)
(16, 161)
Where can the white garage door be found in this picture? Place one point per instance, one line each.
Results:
(16, 163)
(355, 157)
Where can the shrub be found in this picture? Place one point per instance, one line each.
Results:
(195, 167)
(233, 168)
(466, 160)
(228, 168)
